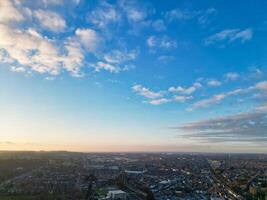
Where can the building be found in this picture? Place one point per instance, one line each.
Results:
(117, 194)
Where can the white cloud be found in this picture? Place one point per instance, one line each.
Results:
(243, 35)
(104, 15)
(56, 2)
(73, 60)
(49, 3)
(9, 13)
(116, 61)
(182, 98)
(161, 42)
(230, 35)
(159, 101)
(214, 83)
(135, 14)
(236, 92)
(231, 76)
(160, 97)
(151, 41)
(145, 92)
(262, 86)
(217, 98)
(31, 50)
(105, 66)
(133, 11)
(206, 16)
(187, 91)
(117, 56)
(88, 38)
(50, 20)
(206, 102)
(178, 14)
(17, 69)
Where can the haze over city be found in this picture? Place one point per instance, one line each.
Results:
(142, 76)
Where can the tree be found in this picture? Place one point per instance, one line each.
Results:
(90, 193)
(149, 194)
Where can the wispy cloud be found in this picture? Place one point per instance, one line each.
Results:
(159, 101)
(54, 3)
(215, 99)
(134, 12)
(104, 15)
(230, 35)
(186, 91)
(180, 99)
(146, 92)
(254, 73)
(180, 14)
(7, 143)
(98, 66)
(214, 83)
(207, 16)
(232, 76)
(118, 56)
(115, 61)
(203, 17)
(161, 42)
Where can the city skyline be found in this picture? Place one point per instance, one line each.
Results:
(90, 76)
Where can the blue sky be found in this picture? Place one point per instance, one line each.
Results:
(133, 75)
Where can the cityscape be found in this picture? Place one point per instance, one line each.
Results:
(133, 100)
(132, 176)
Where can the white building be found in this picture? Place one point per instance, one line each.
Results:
(117, 194)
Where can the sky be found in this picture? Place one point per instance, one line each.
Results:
(182, 76)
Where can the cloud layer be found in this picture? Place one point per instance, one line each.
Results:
(244, 127)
